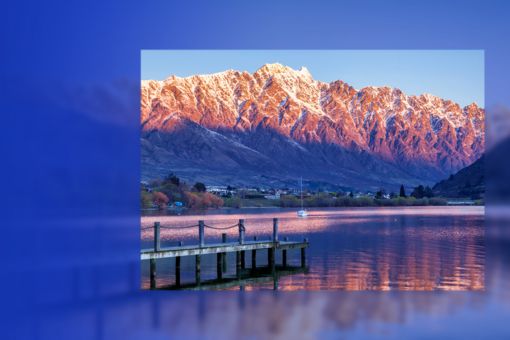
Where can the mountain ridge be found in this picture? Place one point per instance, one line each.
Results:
(425, 136)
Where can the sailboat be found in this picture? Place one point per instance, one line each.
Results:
(302, 212)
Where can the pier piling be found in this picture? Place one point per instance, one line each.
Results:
(303, 254)
(284, 254)
(178, 271)
(157, 242)
(270, 258)
(238, 264)
(275, 229)
(219, 269)
(254, 256)
(241, 231)
(153, 273)
(224, 256)
(197, 269)
(201, 235)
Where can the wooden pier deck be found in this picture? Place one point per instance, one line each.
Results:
(149, 254)
(221, 250)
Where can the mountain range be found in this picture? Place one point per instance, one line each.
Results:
(270, 127)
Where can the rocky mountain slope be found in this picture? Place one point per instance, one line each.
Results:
(467, 183)
(278, 123)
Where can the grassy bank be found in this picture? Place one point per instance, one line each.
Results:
(318, 201)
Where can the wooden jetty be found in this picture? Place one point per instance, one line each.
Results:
(240, 247)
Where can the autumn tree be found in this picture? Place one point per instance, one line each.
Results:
(160, 199)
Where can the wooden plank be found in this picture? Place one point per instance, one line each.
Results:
(191, 250)
(291, 245)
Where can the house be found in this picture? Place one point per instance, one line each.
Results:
(275, 196)
(218, 190)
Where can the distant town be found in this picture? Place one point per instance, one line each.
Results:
(173, 193)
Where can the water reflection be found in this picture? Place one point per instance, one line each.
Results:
(123, 311)
(419, 249)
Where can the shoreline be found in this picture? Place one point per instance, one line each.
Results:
(156, 212)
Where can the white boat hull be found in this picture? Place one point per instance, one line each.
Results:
(302, 213)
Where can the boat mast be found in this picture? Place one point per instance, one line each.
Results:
(301, 192)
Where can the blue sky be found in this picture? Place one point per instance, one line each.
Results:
(451, 74)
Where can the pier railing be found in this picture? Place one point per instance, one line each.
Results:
(201, 226)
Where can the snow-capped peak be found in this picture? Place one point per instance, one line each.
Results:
(305, 72)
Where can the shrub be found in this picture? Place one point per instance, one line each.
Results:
(438, 201)
(203, 200)
(234, 202)
(160, 199)
(145, 199)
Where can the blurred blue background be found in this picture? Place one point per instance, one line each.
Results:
(70, 167)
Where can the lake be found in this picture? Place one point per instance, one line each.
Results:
(393, 273)
(351, 249)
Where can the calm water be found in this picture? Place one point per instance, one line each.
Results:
(369, 269)
(352, 249)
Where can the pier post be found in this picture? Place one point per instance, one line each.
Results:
(270, 259)
(197, 269)
(157, 241)
(271, 251)
(275, 229)
(303, 255)
(178, 271)
(284, 254)
(241, 231)
(219, 271)
(224, 257)
(153, 273)
(254, 256)
(241, 241)
(238, 264)
(275, 282)
(201, 236)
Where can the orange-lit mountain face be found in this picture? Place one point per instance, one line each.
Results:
(277, 124)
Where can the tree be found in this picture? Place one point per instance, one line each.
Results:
(402, 191)
(200, 187)
(212, 200)
(202, 200)
(351, 195)
(160, 199)
(145, 199)
(428, 192)
(418, 192)
(380, 194)
(173, 179)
